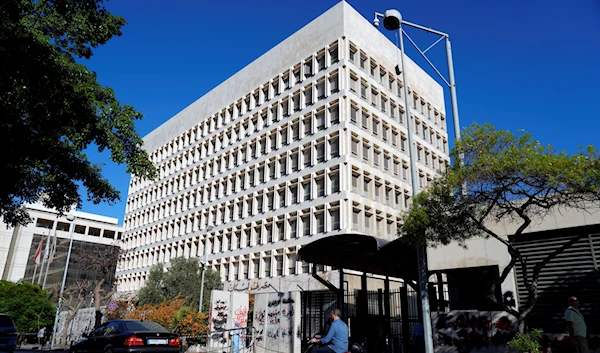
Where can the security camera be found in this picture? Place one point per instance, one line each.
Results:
(376, 22)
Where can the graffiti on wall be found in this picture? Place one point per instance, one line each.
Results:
(468, 330)
(219, 316)
(275, 322)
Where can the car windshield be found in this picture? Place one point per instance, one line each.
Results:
(5, 321)
(143, 326)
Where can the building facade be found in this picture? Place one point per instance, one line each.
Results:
(309, 140)
(18, 246)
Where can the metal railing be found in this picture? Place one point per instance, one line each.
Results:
(247, 339)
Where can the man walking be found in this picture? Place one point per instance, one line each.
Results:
(336, 340)
(576, 326)
(41, 335)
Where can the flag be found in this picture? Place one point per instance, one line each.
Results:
(52, 249)
(37, 257)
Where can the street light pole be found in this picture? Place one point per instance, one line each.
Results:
(392, 20)
(71, 218)
(204, 262)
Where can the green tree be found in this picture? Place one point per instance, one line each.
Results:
(182, 279)
(53, 107)
(27, 304)
(504, 177)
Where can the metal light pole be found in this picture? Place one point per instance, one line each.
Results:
(392, 20)
(204, 262)
(71, 218)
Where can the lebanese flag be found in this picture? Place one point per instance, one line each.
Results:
(37, 257)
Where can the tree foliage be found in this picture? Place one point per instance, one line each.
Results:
(182, 279)
(503, 177)
(27, 304)
(53, 107)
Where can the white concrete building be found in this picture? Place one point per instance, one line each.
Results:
(308, 140)
(19, 244)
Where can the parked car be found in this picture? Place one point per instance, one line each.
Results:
(8, 334)
(128, 336)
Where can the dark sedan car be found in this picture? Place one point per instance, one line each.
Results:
(8, 334)
(131, 336)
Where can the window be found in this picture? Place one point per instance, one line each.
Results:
(279, 262)
(334, 147)
(335, 219)
(256, 267)
(292, 264)
(320, 187)
(376, 157)
(294, 193)
(334, 114)
(335, 182)
(355, 219)
(295, 162)
(321, 89)
(321, 153)
(281, 196)
(284, 137)
(267, 261)
(321, 62)
(375, 127)
(353, 83)
(320, 117)
(296, 102)
(333, 54)
(386, 163)
(285, 108)
(353, 114)
(306, 156)
(333, 84)
(365, 153)
(307, 125)
(352, 54)
(308, 68)
(355, 183)
(269, 231)
(363, 61)
(366, 187)
(308, 96)
(374, 98)
(320, 219)
(272, 170)
(363, 90)
(297, 77)
(365, 120)
(293, 229)
(307, 190)
(354, 147)
(306, 225)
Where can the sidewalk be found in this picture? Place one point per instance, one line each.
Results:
(45, 348)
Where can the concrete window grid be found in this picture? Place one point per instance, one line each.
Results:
(174, 158)
(322, 184)
(207, 168)
(323, 149)
(243, 106)
(386, 81)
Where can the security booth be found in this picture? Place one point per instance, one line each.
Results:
(377, 290)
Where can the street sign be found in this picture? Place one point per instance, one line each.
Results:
(112, 305)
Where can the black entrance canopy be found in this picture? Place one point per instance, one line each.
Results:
(363, 253)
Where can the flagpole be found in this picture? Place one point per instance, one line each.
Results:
(49, 252)
(39, 281)
(34, 272)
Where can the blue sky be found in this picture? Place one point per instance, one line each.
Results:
(529, 65)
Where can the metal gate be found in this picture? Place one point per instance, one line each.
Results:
(381, 324)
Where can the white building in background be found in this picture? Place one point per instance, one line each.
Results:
(18, 245)
(309, 140)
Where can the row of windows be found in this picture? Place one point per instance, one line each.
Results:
(274, 264)
(384, 77)
(297, 159)
(293, 192)
(317, 62)
(79, 229)
(312, 122)
(290, 132)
